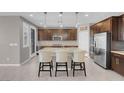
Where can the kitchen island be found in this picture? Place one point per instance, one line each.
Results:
(61, 49)
(68, 43)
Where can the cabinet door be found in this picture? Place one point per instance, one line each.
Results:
(72, 34)
(116, 64)
(42, 35)
(107, 26)
(98, 28)
(122, 34)
(120, 28)
(115, 29)
(113, 63)
(49, 34)
(121, 65)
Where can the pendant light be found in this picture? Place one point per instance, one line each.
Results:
(60, 19)
(45, 15)
(77, 23)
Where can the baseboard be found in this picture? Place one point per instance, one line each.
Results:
(28, 60)
(9, 64)
(17, 64)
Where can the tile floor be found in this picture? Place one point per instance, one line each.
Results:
(28, 72)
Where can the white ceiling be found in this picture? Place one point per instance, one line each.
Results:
(68, 18)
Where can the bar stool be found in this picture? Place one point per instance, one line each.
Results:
(61, 61)
(45, 60)
(78, 61)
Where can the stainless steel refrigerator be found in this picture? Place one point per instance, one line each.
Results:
(102, 47)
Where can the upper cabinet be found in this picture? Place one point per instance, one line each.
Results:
(72, 34)
(114, 25)
(121, 28)
(103, 26)
(48, 34)
(118, 33)
(108, 25)
(115, 28)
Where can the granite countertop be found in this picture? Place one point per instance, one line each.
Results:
(57, 49)
(118, 52)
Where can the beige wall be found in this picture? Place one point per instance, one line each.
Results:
(24, 52)
(9, 40)
(83, 38)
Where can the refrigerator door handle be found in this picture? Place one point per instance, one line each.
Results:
(95, 43)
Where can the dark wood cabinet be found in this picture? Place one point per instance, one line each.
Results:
(110, 25)
(106, 25)
(118, 33)
(47, 34)
(72, 34)
(117, 63)
(114, 25)
(121, 28)
(115, 28)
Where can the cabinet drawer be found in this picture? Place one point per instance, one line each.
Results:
(117, 55)
(118, 63)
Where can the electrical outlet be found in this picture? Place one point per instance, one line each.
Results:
(15, 44)
(11, 44)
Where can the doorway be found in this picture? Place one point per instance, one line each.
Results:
(32, 41)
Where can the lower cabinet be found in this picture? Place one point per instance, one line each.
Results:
(118, 63)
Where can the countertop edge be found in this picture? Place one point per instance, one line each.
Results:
(117, 52)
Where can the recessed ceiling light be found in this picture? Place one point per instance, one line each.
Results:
(86, 15)
(31, 15)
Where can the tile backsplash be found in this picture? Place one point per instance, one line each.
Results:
(118, 45)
